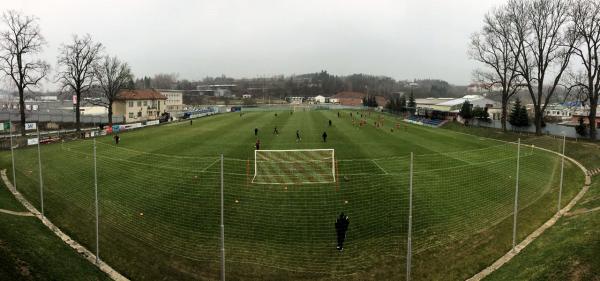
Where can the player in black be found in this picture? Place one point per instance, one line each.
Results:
(117, 138)
(275, 131)
(257, 144)
(255, 131)
(341, 226)
(298, 138)
(329, 122)
(324, 136)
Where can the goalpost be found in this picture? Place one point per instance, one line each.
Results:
(294, 166)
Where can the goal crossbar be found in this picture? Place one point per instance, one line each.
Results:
(294, 166)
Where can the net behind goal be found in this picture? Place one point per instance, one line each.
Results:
(301, 166)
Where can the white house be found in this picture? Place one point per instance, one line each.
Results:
(321, 99)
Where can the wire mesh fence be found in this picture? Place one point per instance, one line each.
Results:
(409, 214)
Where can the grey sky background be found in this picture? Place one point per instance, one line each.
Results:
(404, 39)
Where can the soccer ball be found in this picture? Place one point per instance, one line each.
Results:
(346, 202)
(236, 201)
(141, 214)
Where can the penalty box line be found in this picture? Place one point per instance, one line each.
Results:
(380, 168)
(208, 167)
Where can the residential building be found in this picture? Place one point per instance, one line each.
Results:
(350, 98)
(139, 105)
(321, 99)
(558, 111)
(174, 100)
(295, 100)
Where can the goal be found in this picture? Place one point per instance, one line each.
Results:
(298, 166)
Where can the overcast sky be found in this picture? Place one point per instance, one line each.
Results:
(404, 39)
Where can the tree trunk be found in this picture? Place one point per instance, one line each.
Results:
(504, 113)
(592, 119)
(77, 112)
(538, 121)
(22, 110)
(110, 113)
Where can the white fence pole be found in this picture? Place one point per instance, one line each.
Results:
(516, 196)
(96, 203)
(409, 235)
(12, 152)
(40, 171)
(222, 227)
(562, 167)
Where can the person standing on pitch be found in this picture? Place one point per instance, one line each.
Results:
(257, 144)
(255, 131)
(324, 136)
(190, 122)
(275, 131)
(341, 226)
(298, 138)
(329, 122)
(117, 138)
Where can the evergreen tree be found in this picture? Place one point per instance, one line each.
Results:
(412, 105)
(402, 104)
(581, 129)
(523, 117)
(514, 116)
(518, 116)
(466, 111)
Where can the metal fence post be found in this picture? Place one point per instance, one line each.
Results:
(409, 235)
(40, 171)
(562, 167)
(96, 202)
(516, 196)
(222, 227)
(12, 152)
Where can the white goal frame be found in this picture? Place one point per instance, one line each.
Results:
(296, 150)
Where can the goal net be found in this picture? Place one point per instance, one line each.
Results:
(300, 166)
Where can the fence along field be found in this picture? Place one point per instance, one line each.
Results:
(164, 209)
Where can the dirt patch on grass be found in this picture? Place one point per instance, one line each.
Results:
(22, 268)
(581, 271)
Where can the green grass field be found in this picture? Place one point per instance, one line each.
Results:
(159, 193)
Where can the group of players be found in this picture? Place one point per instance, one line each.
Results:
(358, 119)
(276, 132)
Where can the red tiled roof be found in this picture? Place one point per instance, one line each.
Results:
(349, 95)
(147, 94)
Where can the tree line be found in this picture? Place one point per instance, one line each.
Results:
(541, 46)
(82, 64)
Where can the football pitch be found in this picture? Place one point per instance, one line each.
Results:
(159, 194)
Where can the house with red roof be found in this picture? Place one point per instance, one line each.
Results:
(139, 105)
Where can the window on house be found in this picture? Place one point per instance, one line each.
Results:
(139, 114)
(130, 104)
(139, 103)
(145, 103)
(130, 114)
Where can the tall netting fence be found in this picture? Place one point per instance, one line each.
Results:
(139, 209)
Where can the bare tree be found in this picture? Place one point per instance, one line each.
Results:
(164, 81)
(492, 47)
(543, 42)
(112, 75)
(585, 15)
(18, 44)
(78, 61)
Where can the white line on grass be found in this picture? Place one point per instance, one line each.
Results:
(380, 168)
(208, 167)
